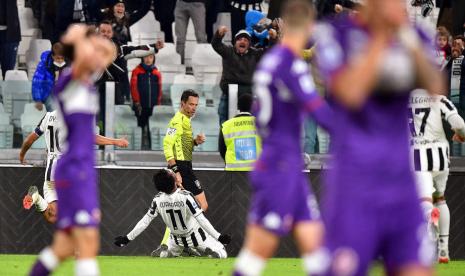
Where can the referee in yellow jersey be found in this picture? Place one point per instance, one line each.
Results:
(178, 146)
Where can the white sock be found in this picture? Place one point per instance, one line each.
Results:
(48, 258)
(39, 202)
(427, 207)
(444, 224)
(86, 267)
(316, 262)
(249, 264)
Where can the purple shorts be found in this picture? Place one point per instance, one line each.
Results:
(281, 200)
(359, 231)
(78, 204)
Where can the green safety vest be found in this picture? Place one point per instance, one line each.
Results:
(243, 145)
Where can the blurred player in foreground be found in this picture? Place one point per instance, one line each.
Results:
(370, 62)
(78, 218)
(53, 139)
(281, 200)
(185, 219)
(431, 159)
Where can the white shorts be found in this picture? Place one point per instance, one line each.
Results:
(50, 194)
(429, 183)
(209, 242)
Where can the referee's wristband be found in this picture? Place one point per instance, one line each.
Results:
(174, 168)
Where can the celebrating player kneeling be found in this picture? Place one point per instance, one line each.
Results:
(181, 213)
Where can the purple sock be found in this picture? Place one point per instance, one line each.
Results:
(39, 269)
(237, 273)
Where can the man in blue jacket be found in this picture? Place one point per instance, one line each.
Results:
(47, 72)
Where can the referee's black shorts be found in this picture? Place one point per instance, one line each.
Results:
(189, 180)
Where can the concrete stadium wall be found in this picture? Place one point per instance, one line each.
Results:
(126, 194)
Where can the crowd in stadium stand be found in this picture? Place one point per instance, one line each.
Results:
(251, 32)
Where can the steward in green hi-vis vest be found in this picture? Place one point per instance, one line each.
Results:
(243, 145)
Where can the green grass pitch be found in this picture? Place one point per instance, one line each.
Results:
(13, 265)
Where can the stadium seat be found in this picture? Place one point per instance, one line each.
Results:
(6, 131)
(126, 126)
(29, 121)
(2, 109)
(146, 23)
(36, 48)
(206, 121)
(16, 75)
(181, 83)
(162, 114)
(224, 19)
(16, 94)
(168, 55)
(206, 63)
(168, 72)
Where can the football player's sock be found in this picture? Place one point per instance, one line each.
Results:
(39, 202)
(166, 236)
(316, 262)
(427, 207)
(248, 263)
(444, 224)
(45, 264)
(86, 267)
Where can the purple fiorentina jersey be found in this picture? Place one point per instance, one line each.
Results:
(286, 94)
(370, 205)
(75, 175)
(372, 143)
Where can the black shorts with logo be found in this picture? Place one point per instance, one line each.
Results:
(189, 180)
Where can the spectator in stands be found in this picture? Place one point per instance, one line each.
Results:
(443, 49)
(238, 143)
(239, 63)
(459, 41)
(122, 20)
(73, 11)
(185, 10)
(146, 93)
(263, 30)
(48, 70)
(456, 72)
(10, 35)
(164, 13)
(118, 71)
(330, 8)
(238, 9)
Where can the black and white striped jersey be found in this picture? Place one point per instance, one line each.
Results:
(50, 128)
(182, 215)
(429, 144)
(178, 210)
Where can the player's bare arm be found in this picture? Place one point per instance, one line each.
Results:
(103, 140)
(30, 139)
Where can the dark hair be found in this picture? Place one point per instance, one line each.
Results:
(106, 22)
(296, 13)
(188, 93)
(244, 104)
(461, 37)
(164, 181)
(58, 49)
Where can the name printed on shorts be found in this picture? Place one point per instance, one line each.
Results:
(167, 204)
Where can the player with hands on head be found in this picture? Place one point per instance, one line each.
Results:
(180, 212)
(77, 226)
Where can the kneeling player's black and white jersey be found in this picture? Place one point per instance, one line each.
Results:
(182, 215)
(429, 144)
(50, 126)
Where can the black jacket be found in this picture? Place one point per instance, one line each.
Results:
(237, 69)
(9, 17)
